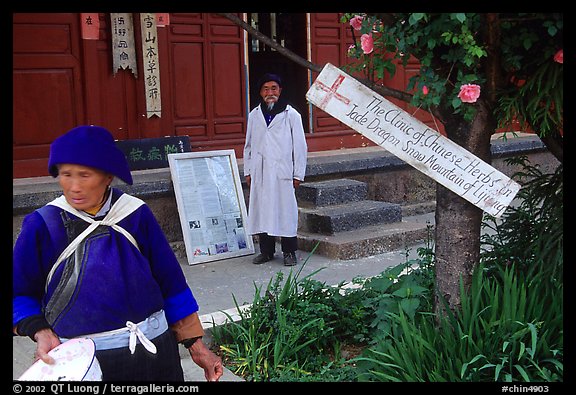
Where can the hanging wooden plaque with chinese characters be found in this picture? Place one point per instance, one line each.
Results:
(123, 51)
(151, 65)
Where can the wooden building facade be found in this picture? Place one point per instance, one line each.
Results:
(207, 68)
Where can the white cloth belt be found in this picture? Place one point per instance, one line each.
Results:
(124, 206)
(148, 329)
(136, 332)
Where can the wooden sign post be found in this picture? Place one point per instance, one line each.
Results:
(387, 125)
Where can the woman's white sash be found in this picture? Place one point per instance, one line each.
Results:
(124, 206)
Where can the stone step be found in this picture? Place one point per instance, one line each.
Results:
(414, 209)
(330, 192)
(333, 219)
(370, 240)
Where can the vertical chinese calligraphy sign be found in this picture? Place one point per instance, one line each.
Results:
(123, 51)
(387, 125)
(151, 64)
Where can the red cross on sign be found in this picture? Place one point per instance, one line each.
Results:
(332, 92)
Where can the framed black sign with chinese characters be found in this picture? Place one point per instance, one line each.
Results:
(152, 153)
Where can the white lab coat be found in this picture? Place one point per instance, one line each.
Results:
(273, 156)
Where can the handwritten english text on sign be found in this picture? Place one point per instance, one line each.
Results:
(387, 125)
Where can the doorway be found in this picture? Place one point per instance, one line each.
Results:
(289, 30)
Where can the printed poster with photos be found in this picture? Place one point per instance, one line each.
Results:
(211, 205)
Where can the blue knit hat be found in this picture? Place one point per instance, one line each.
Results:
(91, 146)
(269, 77)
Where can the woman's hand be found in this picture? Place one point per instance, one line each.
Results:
(46, 340)
(207, 360)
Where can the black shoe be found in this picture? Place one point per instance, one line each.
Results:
(262, 258)
(290, 259)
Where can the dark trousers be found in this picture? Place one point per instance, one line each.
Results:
(119, 365)
(268, 243)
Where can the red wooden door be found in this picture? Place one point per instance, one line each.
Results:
(207, 81)
(329, 38)
(48, 96)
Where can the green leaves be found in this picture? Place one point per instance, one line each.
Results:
(539, 102)
(504, 331)
(292, 327)
(451, 47)
(416, 17)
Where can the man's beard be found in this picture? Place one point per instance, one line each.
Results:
(271, 104)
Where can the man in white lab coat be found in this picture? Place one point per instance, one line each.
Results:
(275, 154)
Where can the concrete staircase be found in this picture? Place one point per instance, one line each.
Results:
(338, 215)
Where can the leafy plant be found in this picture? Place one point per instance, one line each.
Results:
(406, 287)
(504, 332)
(293, 326)
(531, 234)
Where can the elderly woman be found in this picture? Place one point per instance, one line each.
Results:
(95, 263)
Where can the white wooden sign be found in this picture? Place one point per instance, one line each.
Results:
(123, 49)
(387, 125)
(151, 64)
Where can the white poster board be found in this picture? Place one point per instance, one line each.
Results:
(211, 205)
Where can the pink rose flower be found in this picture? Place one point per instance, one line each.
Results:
(356, 22)
(367, 43)
(424, 90)
(559, 56)
(469, 93)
